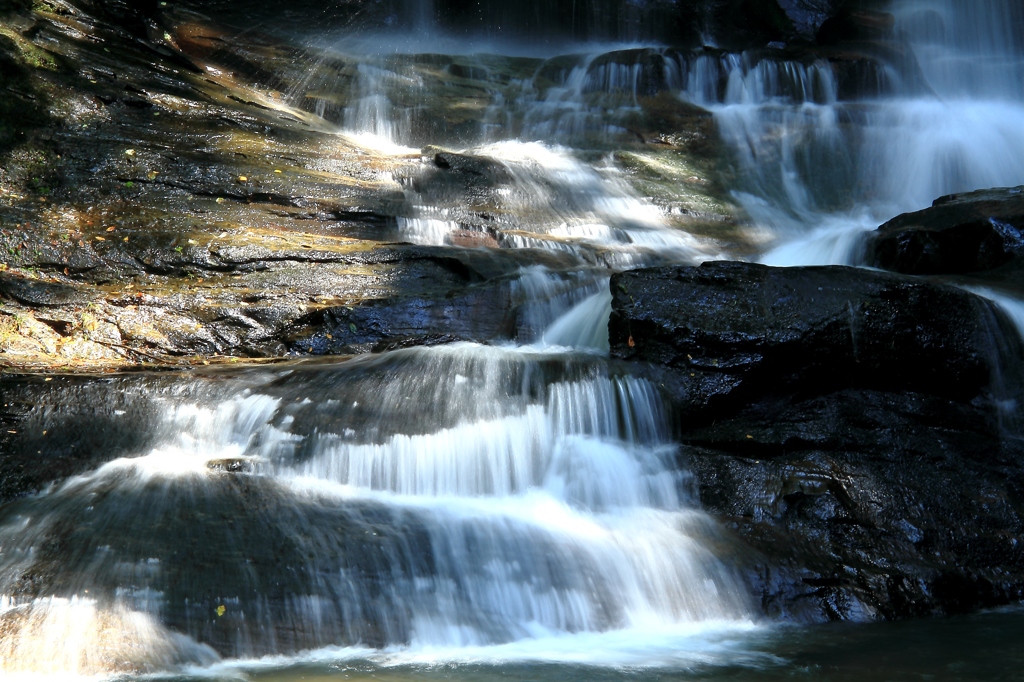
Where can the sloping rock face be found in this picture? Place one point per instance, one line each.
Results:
(961, 233)
(851, 427)
(165, 197)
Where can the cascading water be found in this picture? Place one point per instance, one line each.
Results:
(429, 499)
(816, 162)
(817, 172)
(564, 205)
(469, 503)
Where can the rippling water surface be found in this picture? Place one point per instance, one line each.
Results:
(984, 646)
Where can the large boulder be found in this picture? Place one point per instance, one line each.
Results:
(853, 428)
(960, 233)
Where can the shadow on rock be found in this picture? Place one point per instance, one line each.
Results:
(857, 429)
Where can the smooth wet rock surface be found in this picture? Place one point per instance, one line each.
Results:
(961, 233)
(850, 433)
(170, 196)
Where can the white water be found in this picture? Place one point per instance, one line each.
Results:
(1011, 305)
(813, 173)
(678, 648)
(530, 503)
(494, 504)
(563, 204)
(817, 172)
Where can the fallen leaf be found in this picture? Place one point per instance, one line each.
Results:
(111, 228)
(221, 610)
(631, 342)
(100, 239)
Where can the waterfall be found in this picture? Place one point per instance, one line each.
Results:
(967, 50)
(452, 497)
(512, 502)
(818, 171)
(561, 204)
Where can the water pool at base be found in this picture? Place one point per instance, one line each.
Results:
(984, 646)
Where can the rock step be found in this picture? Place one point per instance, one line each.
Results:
(847, 425)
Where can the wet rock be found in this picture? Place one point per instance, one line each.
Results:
(218, 571)
(180, 210)
(459, 175)
(739, 328)
(38, 293)
(856, 24)
(742, 24)
(55, 427)
(960, 233)
(853, 437)
(808, 15)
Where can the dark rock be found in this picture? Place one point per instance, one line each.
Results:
(731, 331)
(470, 167)
(55, 427)
(855, 439)
(468, 71)
(960, 233)
(662, 20)
(215, 558)
(808, 15)
(34, 292)
(864, 504)
(743, 24)
(481, 313)
(856, 24)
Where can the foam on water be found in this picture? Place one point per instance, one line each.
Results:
(58, 638)
(678, 648)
